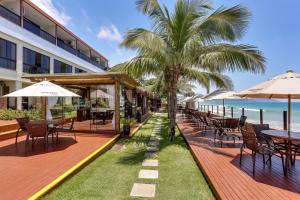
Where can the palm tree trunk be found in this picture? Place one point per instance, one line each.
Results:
(173, 104)
(169, 105)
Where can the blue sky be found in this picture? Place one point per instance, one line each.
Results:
(274, 28)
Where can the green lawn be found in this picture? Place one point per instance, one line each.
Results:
(111, 176)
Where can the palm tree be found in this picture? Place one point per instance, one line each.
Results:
(194, 42)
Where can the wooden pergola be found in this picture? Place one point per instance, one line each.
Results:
(85, 79)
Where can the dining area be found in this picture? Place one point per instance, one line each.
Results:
(253, 174)
(35, 130)
(254, 139)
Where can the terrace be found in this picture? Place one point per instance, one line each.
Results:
(227, 178)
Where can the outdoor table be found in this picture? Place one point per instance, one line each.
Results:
(288, 139)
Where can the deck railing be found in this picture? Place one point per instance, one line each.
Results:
(220, 110)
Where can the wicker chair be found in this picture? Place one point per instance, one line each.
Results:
(22, 122)
(251, 142)
(230, 130)
(37, 129)
(242, 121)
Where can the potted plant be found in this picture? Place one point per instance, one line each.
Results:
(126, 126)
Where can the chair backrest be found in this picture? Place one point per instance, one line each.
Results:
(231, 123)
(22, 122)
(249, 138)
(70, 125)
(260, 127)
(242, 121)
(37, 128)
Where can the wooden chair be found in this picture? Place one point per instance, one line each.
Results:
(37, 129)
(250, 141)
(67, 128)
(22, 122)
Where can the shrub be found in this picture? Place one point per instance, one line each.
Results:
(9, 114)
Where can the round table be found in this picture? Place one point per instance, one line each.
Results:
(288, 139)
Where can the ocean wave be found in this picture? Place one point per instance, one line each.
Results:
(251, 109)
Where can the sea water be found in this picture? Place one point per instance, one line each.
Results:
(272, 111)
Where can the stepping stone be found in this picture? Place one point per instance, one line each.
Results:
(153, 149)
(149, 154)
(150, 163)
(153, 143)
(143, 190)
(148, 174)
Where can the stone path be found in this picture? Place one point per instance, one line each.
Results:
(148, 190)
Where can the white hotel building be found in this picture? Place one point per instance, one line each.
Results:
(32, 42)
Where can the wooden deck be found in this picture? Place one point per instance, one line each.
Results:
(231, 181)
(22, 175)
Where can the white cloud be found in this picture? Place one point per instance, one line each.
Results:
(109, 32)
(48, 7)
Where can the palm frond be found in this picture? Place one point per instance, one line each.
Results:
(228, 57)
(224, 24)
(205, 79)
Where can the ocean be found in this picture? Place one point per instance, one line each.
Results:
(272, 111)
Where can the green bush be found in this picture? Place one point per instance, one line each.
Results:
(68, 110)
(10, 114)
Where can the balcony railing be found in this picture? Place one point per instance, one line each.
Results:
(31, 69)
(32, 27)
(7, 63)
(48, 36)
(11, 16)
(83, 56)
(66, 47)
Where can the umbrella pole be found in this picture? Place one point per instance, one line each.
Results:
(223, 108)
(289, 114)
(45, 107)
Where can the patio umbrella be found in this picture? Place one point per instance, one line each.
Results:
(221, 94)
(284, 86)
(43, 89)
(100, 94)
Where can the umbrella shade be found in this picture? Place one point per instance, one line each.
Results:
(284, 86)
(279, 87)
(220, 95)
(100, 94)
(43, 89)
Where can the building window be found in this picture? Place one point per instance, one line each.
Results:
(60, 67)
(35, 63)
(7, 54)
(79, 71)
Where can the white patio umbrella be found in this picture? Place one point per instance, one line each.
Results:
(284, 86)
(221, 94)
(100, 94)
(43, 89)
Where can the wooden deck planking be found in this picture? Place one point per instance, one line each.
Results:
(230, 181)
(21, 176)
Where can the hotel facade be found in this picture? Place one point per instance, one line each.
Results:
(32, 42)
